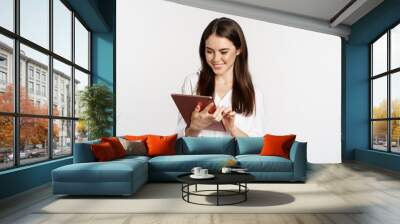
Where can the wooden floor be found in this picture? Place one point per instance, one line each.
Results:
(377, 188)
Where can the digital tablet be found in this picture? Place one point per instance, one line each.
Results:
(187, 103)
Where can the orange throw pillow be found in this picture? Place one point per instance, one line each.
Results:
(161, 145)
(135, 138)
(277, 145)
(116, 145)
(103, 152)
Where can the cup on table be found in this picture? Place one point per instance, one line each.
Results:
(196, 171)
(203, 172)
(226, 170)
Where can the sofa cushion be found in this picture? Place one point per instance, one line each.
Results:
(207, 145)
(103, 152)
(134, 147)
(277, 145)
(257, 163)
(185, 163)
(116, 145)
(249, 145)
(161, 145)
(111, 171)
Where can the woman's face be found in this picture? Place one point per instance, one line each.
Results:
(220, 54)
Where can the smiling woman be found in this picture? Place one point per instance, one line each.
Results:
(224, 76)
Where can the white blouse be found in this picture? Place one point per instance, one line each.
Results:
(251, 125)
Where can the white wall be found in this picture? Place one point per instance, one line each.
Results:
(298, 72)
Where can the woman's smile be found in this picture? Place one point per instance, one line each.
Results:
(218, 66)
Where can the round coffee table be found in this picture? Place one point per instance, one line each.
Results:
(238, 179)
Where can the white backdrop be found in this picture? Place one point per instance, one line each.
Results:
(298, 72)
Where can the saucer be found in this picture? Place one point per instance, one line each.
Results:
(208, 176)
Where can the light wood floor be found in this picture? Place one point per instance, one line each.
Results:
(377, 188)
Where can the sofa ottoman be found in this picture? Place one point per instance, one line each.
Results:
(118, 177)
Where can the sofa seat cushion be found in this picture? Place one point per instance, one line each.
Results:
(257, 163)
(111, 171)
(133, 158)
(185, 163)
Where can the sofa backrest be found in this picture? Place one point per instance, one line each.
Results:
(249, 145)
(83, 152)
(206, 145)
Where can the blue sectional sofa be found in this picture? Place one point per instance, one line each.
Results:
(125, 176)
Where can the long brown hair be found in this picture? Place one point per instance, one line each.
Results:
(243, 96)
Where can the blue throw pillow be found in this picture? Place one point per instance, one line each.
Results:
(207, 145)
(249, 145)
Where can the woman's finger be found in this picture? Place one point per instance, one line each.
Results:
(218, 111)
(226, 111)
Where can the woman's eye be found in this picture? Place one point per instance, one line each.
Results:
(225, 52)
(209, 52)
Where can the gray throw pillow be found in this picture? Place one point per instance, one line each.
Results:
(137, 148)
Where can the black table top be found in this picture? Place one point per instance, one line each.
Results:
(220, 178)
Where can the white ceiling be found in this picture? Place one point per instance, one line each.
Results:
(315, 15)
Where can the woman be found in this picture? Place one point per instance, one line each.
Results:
(225, 76)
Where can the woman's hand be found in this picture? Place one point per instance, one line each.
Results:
(229, 123)
(202, 119)
(229, 119)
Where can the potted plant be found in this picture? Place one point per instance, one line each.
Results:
(96, 102)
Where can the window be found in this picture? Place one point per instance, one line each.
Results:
(6, 142)
(35, 21)
(62, 75)
(43, 77)
(38, 89)
(44, 91)
(3, 72)
(7, 14)
(62, 29)
(3, 61)
(385, 91)
(30, 72)
(3, 78)
(55, 126)
(30, 87)
(37, 75)
(81, 45)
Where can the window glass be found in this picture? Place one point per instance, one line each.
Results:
(62, 138)
(379, 135)
(81, 45)
(33, 140)
(395, 95)
(379, 100)
(62, 29)
(39, 62)
(379, 55)
(6, 142)
(6, 74)
(7, 14)
(62, 91)
(395, 136)
(395, 47)
(81, 131)
(81, 82)
(34, 21)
